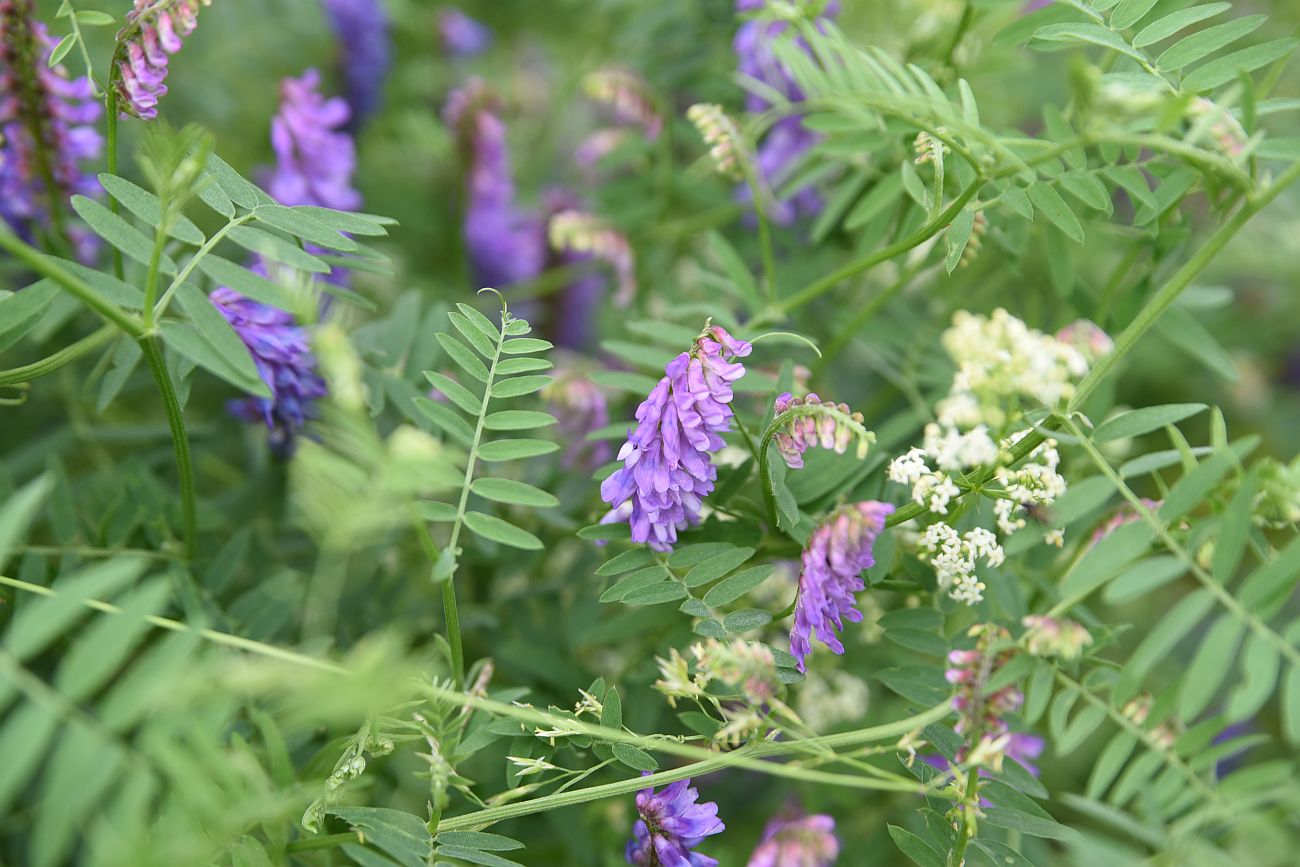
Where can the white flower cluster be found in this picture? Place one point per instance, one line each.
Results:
(954, 557)
(952, 451)
(1035, 482)
(999, 359)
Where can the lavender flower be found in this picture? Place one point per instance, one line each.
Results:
(970, 670)
(580, 406)
(571, 323)
(586, 235)
(671, 824)
(822, 422)
(628, 97)
(365, 53)
(45, 130)
(505, 245)
(284, 361)
(153, 31)
(788, 140)
(1125, 514)
(667, 461)
(461, 35)
(837, 552)
(796, 840)
(314, 158)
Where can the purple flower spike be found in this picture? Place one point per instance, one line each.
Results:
(788, 140)
(837, 552)
(365, 53)
(42, 111)
(796, 840)
(461, 35)
(671, 825)
(154, 30)
(505, 245)
(826, 423)
(667, 461)
(314, 159)
(284, 361)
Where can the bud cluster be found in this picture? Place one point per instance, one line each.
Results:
(720, 134)
(981, 709)
(817, 422)
(1049, 636)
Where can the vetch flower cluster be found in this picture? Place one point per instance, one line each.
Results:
(587, 235)
(506, 246)
(365, 53)
(955, 557)
(46, 130)
(837, 552)
(1000, 360)
(667, 460)
(979, 708)
(281, 351)
(817, 422)
(315, 159)
(1087, 337)
(461, 35)
(154, 30)
(1125, 514)
(670, 826)
(792, 839)
(628, 97)
(580, 408)
(1050, 636)
(723, 138)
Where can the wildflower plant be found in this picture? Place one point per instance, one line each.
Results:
(950, 338)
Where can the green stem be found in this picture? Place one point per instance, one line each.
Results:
(920, 236)
(845, 334)
(50, 267)
(759, 196)
(451, 614)
(110, 123)
(967, 16)
(183, 275)
(180, 441)
(64, 356)
(1174, 286)
(151, 277)
(325, 841)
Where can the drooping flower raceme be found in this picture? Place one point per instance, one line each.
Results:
(587, 235)
(837, 552)
(154, 29)
(365, 53)
(978, 707)
(820, 423)
(284, 360)
(315, 159)
(797, 840)
(667, 460)
(505, 245)
(46, 130)
(723, 138)
(461, 35)
(670, 826)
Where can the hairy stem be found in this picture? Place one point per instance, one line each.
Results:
(64, 356)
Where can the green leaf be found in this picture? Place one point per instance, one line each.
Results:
(1131, 179)
(458, 394)
(1291, 705)
(1228, 67)
(43, 620)
(119, 233)
(1270, 584)
(734, 267)
(1210, 666)
(1205, 42)
(916, 849)
(1083, 32)
(519, 385)
(1000, 854)
(1111, 554)
(1140, 421)
(491, 527)
(522, 345)
(1163, 28)
(1049, 202)
(474, 856)
(883, 195)
(190, 343)
(658, 594)
(957, 236)
(510, 366)
(346, 221)
(716, 566)
(432, 510)
(479, 840)
(636, 581)
(238, 190)
(1146, 575)
(17, 512)
(101, 650)
(23, 311)
(66, 44)
(1130, 12)
(302, 224)
(1110, 762)
(1025, 823)
(277, 249)
(625, 380)
(213, 196)
(239, 368)
(461, 354)
(1160, 640)
(446, 419)
(626, 562)
(1017, 200)
(611, 709)
(517, 419)
(515, 449)
(1260, 663)
(636, 759)
(148, 207)
(245, 282)
(746, 619)
(486, 346)
(1234, 532)
(1086, 187)
(91, 18)
(510, 491)
(737, 585)
(1192, 488)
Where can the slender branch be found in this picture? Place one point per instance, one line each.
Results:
(183, 275)
(110, 122)
(180, 441)
(49, 267)
(63, 357)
